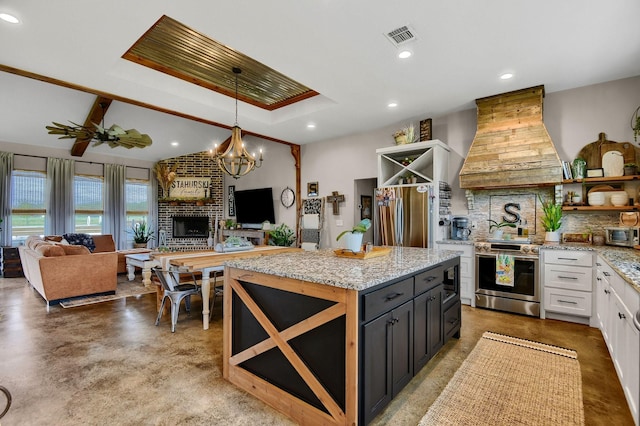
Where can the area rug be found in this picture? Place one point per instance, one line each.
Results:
(511, 381)
(125, 289)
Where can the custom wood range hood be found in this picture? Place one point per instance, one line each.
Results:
(512, 147)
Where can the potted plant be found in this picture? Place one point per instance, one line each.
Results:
(635, 124)
(630, 169)
(551, 219)
(405, 135)
(496, 230)
(281, 236)
(141, 234)
(353, 237)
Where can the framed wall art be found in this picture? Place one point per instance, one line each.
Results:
(312, 189)
(231, 200)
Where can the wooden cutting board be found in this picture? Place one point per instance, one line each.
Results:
(593, 152)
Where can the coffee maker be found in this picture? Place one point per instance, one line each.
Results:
(460, 228)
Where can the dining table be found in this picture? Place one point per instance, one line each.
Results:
(208, 262)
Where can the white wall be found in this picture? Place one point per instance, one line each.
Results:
(277, 171)
(574, 118)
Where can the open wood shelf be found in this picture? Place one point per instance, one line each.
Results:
(602, 179)
(569, 207)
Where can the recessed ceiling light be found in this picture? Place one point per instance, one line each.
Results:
(311, 126)
(506, 76)
(9, 18)
(404, 54)
(175, 143)
(392, 104)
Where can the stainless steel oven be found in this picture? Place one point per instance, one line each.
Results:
(520, 293)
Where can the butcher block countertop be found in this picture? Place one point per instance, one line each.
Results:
(324, 267)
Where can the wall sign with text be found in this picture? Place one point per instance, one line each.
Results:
(194, 187)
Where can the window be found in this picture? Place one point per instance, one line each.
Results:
(89, 206)
(137, 202)
(28, 208)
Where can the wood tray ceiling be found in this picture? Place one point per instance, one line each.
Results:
(175, 49)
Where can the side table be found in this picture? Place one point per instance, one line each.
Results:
(143, 261)
(11, 265)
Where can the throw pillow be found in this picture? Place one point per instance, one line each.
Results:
(81, 239)
(73, 250)
(55, 238)
(50, 250)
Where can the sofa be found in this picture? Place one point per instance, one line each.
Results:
(59, 270)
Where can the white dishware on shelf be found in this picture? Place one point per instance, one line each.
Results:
(619, 198)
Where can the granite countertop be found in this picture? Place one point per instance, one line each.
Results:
(457, 242)
(622, 259)
(324, 267)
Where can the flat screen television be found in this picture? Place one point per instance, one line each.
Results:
(254, 206)
(190, 226)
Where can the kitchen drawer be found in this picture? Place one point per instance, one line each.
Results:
(567, 301)
(429, 279)
(568, 257)
(385, 299)
(451, 319)
(568, 277)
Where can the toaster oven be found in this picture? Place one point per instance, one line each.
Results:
(622, 236)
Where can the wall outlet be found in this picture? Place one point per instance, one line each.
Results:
(339, 222)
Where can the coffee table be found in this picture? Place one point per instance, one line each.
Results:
(142, 261)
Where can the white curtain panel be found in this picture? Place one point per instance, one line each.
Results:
(115, 203)
(6, 167)
(59, 196)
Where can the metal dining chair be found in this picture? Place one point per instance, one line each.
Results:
(217, 289)
(175, 291)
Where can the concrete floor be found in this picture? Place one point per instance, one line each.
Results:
(108, 363)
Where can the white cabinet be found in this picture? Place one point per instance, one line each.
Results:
(467, 270)
(616, 305)
(567, 286)
(427, 161)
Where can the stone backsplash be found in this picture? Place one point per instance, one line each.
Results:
(490, 204)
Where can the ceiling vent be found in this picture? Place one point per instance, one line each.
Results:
(401, 35)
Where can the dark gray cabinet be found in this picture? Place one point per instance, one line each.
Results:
(388, 359)
(403, 324)
(428, 330)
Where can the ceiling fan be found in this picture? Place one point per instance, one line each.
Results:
(113, 136)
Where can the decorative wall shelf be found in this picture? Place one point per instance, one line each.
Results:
(589, 183)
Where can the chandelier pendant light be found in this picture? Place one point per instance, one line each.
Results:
(235, 161)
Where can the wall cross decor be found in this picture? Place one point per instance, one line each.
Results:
(334, 199)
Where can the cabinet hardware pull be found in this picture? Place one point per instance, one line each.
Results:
(430, 278)
(621, 315)
(606, 274)
(606, 291)
(567, 278)
(598, 279)
(566, 258)
(598, 264)
(567, 301)
(393, 296)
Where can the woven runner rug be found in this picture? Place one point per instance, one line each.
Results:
(124, 289)
(510, 381)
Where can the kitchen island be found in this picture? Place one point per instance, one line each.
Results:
(331, 340)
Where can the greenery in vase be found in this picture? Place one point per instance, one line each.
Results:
(360, 228)
(282, 236)
(141, 233)
(635, 124)
(494, 226)
(552, 215)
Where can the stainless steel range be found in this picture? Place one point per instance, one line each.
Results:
(507, 276)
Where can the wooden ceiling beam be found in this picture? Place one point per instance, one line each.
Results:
(95, 116)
